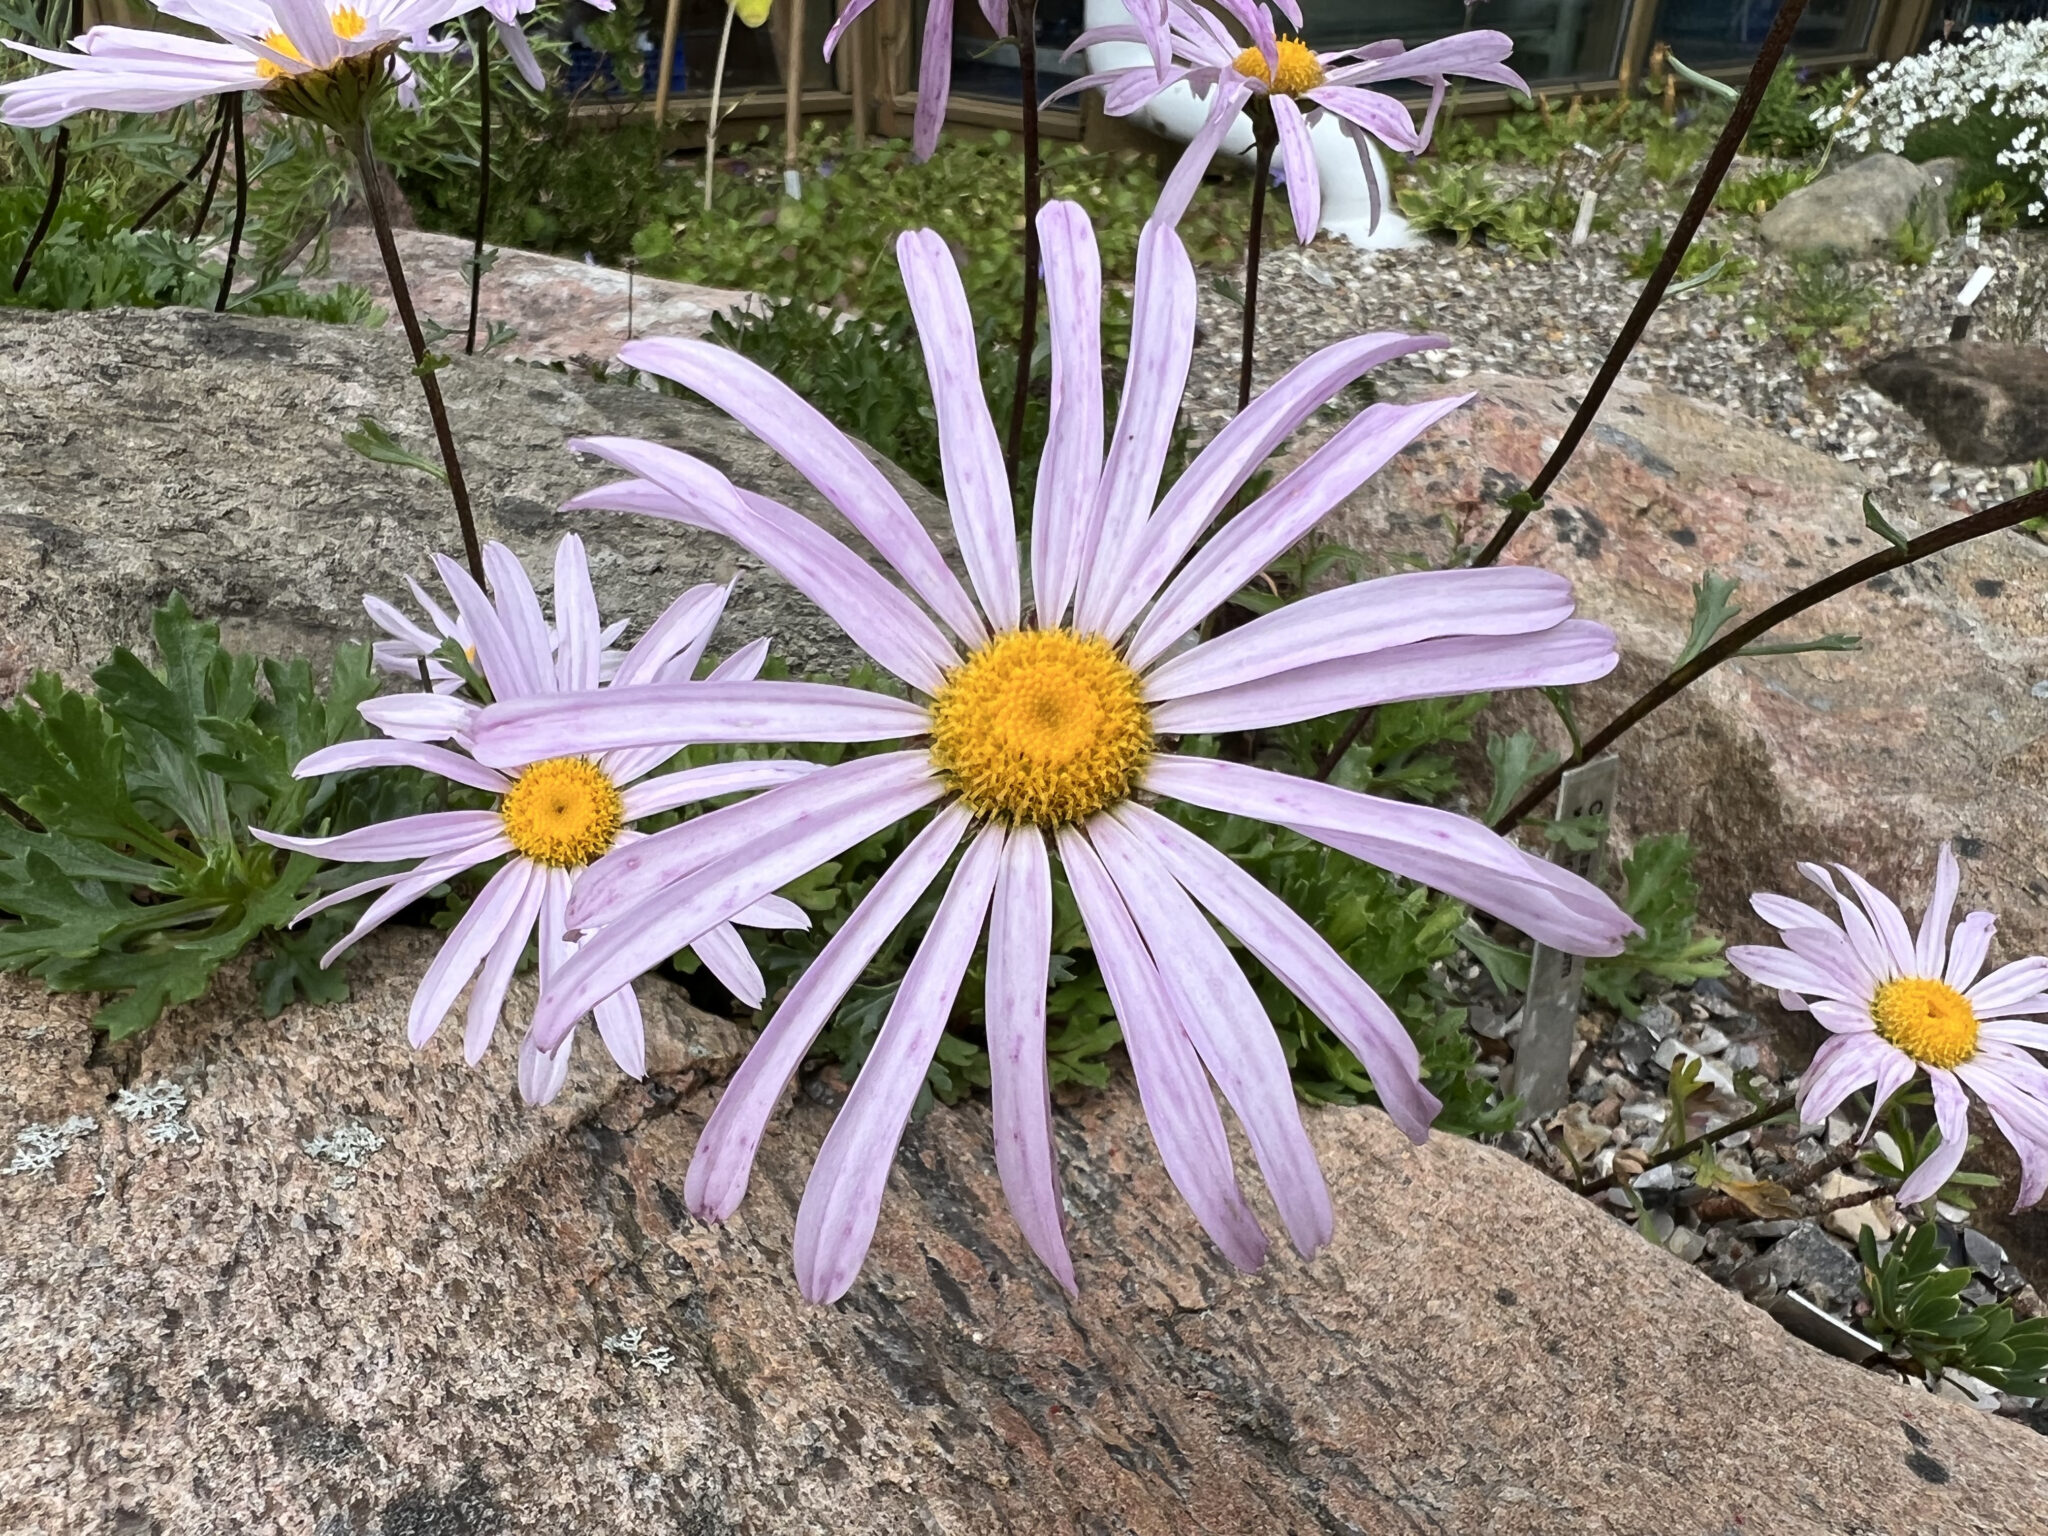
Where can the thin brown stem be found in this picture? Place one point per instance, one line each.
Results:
(1652, 295)
(60, 162)
(1344, 744)
(1025, 17)
(1267, 136)
(220, 158)
(227, 273)
(482, 34)
(1704, 1139)
(430, 386)
(2007, 514)
(220, 123)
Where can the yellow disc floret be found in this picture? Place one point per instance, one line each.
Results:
(563, 812)
(1300, 70)
(1041, 727)
(277, 42)
(350, 23)
(1929, 1020)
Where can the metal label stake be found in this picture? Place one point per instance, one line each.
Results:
(1550, 1011)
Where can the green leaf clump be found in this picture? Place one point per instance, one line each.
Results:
(1917, 1313)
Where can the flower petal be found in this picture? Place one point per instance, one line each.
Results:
(726, 957)
(1298, 161)
(1450, 853)
(1228, 1027)
(1968, 947)
(419, 716)
(2017, 982)
(1931, 947)
(1952, 1115)
(1871, 950)
(577, 624)
(1180, 1109)
(1179, 191)
(1793, 973)
(542, 1073)
(2021, 1117)
(682, 632)
(1302, 960)
(934, 78)
(502, 659)
(1071, 466)
(408, 837)
(487, 997)
(652, 796)
(1886, 917)
(1385, 118)
(1843, 1064)
(1281, 518)
(772, 912)
(724, 1158)
(402, 891)
(498, 904)
(386, 753)
(620, 1027)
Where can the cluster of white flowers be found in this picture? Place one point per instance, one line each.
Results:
(2002, 70)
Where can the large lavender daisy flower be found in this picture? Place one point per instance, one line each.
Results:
(1190, 44)
(1040, 734)
(312, 57)
(559, 809)
(1897, 1004)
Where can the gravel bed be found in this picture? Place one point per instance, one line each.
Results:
(1507, 313)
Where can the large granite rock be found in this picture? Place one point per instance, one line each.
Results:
(1859, 209)
(504, 1320)
(143, 452)
(1984, 402)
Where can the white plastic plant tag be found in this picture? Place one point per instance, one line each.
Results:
(1583, 229)
(1550, 1011)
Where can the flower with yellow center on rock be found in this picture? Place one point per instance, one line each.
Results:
(563, 812)
(1929, 1020)
(1041, 727)
(1300, 70)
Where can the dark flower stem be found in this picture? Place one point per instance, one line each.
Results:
(1024, 14)
(220, 158)
(1652, 295)
(227, 275)
(1749, 1121)
(2007, 514)
(220, 121)
(59, 162)
(401, 298)
(1266, 134)
(482, 34)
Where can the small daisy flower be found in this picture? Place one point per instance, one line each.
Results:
(1899, 1005)
(558, 812)
(1190, 44)
(1044, 731)
(311, 58)
(410, 643)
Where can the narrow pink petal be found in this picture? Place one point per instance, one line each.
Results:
(842, 1201)
(1369, 616)
(386, 753)
(520, 51)
(1162, 346)
(619, 1026)
(2021, 1117)
(1071, 467)
(1784, 912)
(1782, 968)
(392, 621)
(1233, 455)
(772, 912)
(823, 455)
(519, 610)
(645, 935)
(405, 890)
(1863, 938)
(724, 1158)
(742, 666)
(42, 100)
(1298, 161)
(1894, 1071)
(1952, 1115)
(1577, 651)
(1886, 917)
(633, 872)
(1967, 949)
(1436, 848)
(977, 487)
(1281, 518)
(1224, 105)
(1385, 118)
(934, 78)
(652, 796)
(487, 997)
(855, 9)
(419, 716)
(1303, 961)
(1228, 1027)
(311, 32)
(673, 714)
(1829, 949)
(1180, 1110)
(683, 630)
(464, 950)
(577, 624)
(2017, 982)
(1020, 1092)
(542, 1073)
(1931, 947)
(409, 837)
(500, 657)
(1843, 1064)
(1842, 1018)
(726, 957)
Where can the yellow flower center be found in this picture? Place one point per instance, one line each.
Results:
(1041, 727)
(350, 23)
(563, 812)
(1300, 70)
(1929, 1020)
(277, 42)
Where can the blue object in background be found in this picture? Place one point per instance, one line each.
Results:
(589, 72)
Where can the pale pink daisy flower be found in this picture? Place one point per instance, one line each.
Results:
(1899, 1004)
(412, 643)
(1042, 730)
(1191, 45)
(302, 55)
(558, 812)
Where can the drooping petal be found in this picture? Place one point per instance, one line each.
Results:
(1952, 1115)
(1843, 1064)
(1180, 1110)
(671, 714)
(934, 78)
(408, 837)
(1233, 455)
(2021, 1117)
(772, 912)
(645, 935)
(1228, 1027)
(1303, 961)
(652, 796)
(1298, 160)
(1225, 103)
(542, 1073)
(1020, 1092)
(855, 9)
(1930, 948)
(725, 955)
(970, 458)
(520, 51)
(835, 1224)
(1071, 466)
(1281, 518)
(402, 891)
(487, 997)
(620, 1027)
(823, 455)
(386, 753)
(724, 1158)
(499, 903)
(1385, 118)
